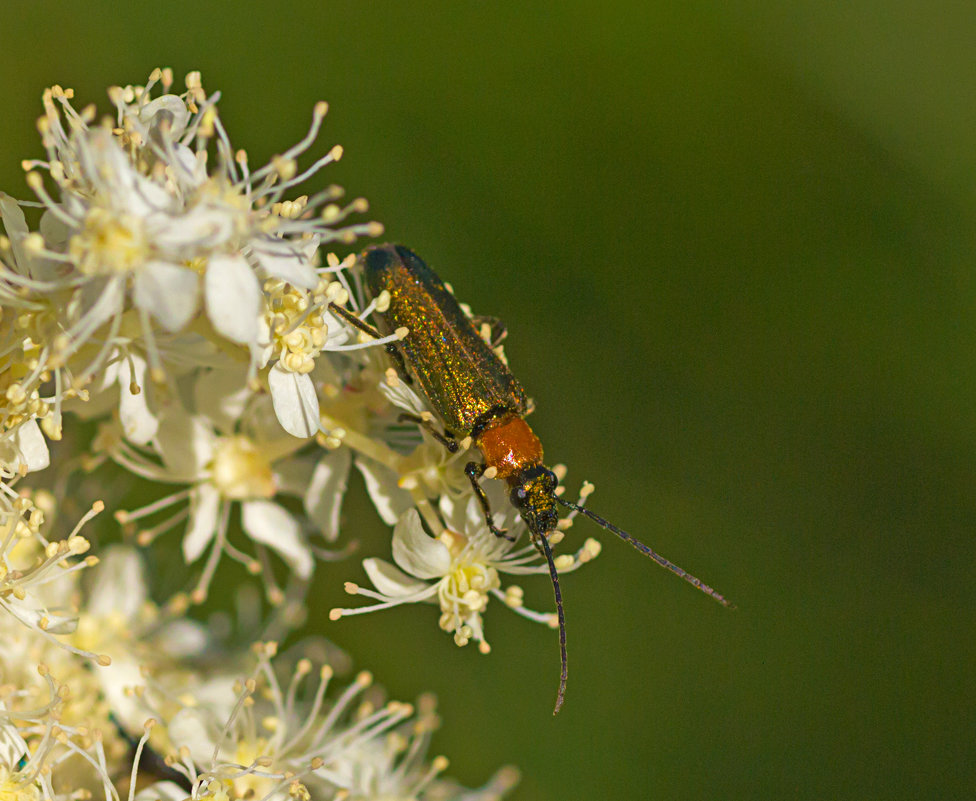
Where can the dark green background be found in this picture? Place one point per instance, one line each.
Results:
(735, 252)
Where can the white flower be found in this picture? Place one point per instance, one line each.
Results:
(298, 740)
(37, 576)
(296, 330)
(459, 570)
(43, 753)
(231, 454)
(118, 618)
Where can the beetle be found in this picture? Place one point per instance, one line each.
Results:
(475, 396)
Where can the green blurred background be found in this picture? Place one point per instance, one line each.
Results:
(734, 246)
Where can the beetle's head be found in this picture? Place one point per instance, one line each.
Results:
(533, 494)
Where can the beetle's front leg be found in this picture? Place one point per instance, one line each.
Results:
(474, 471)
(446, 439)
(394, 352)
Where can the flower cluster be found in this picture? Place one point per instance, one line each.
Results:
(171, 349)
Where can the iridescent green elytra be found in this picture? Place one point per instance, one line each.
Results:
(459, 373)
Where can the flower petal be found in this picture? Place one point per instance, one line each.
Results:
(289, 261)
(170, 108)
(120, 586)
(161, 791)
(389, 580)
(182, 236)
(182, 638)
(292, 476)
(202, 525)
(417, 552)
(269, 524)
(24, 447)
(138, 423)
(295, 403)
(192, 728)
(12, 745)
(15, 224)
(221, 394)
(390, 500)
(323, 496)
(233, 297)
(102, 300)
(117, 681)
(185, 442)
(168, 292)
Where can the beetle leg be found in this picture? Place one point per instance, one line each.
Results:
(354, 321)
(446, 439)
(496, 328)
(369, 330)
(474, 471)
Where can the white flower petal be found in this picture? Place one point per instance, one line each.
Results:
(263, 427)
(325, 490)
(15, 225)
(120, 586)
(192, 728)
(295, 403)
(24, 446)
(138, 423)
(202, 525)
(12, 745)
(56, 233)
(381, 483)
(185, 442)
(417, 552)
(117, 681)
(169, 108)
(292, 476)
(31, 611)
(181, 639)
(390, 580)
(161, 791)
(403, 396)
(220, 396)
(289, 261)
(269, 524)
(102, 300)
(168, 292)
(202, 227)
(233, 297)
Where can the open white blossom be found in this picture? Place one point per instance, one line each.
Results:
(229, 454)
(44, 753)
(459, 570)
(119, 618)
(38, 575)
(296, 740)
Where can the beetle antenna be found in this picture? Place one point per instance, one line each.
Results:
(564, 667)
(640, 546)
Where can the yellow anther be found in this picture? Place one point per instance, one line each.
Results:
(564, 561)
(364, 678)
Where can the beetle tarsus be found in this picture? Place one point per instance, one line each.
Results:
(446, 438)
